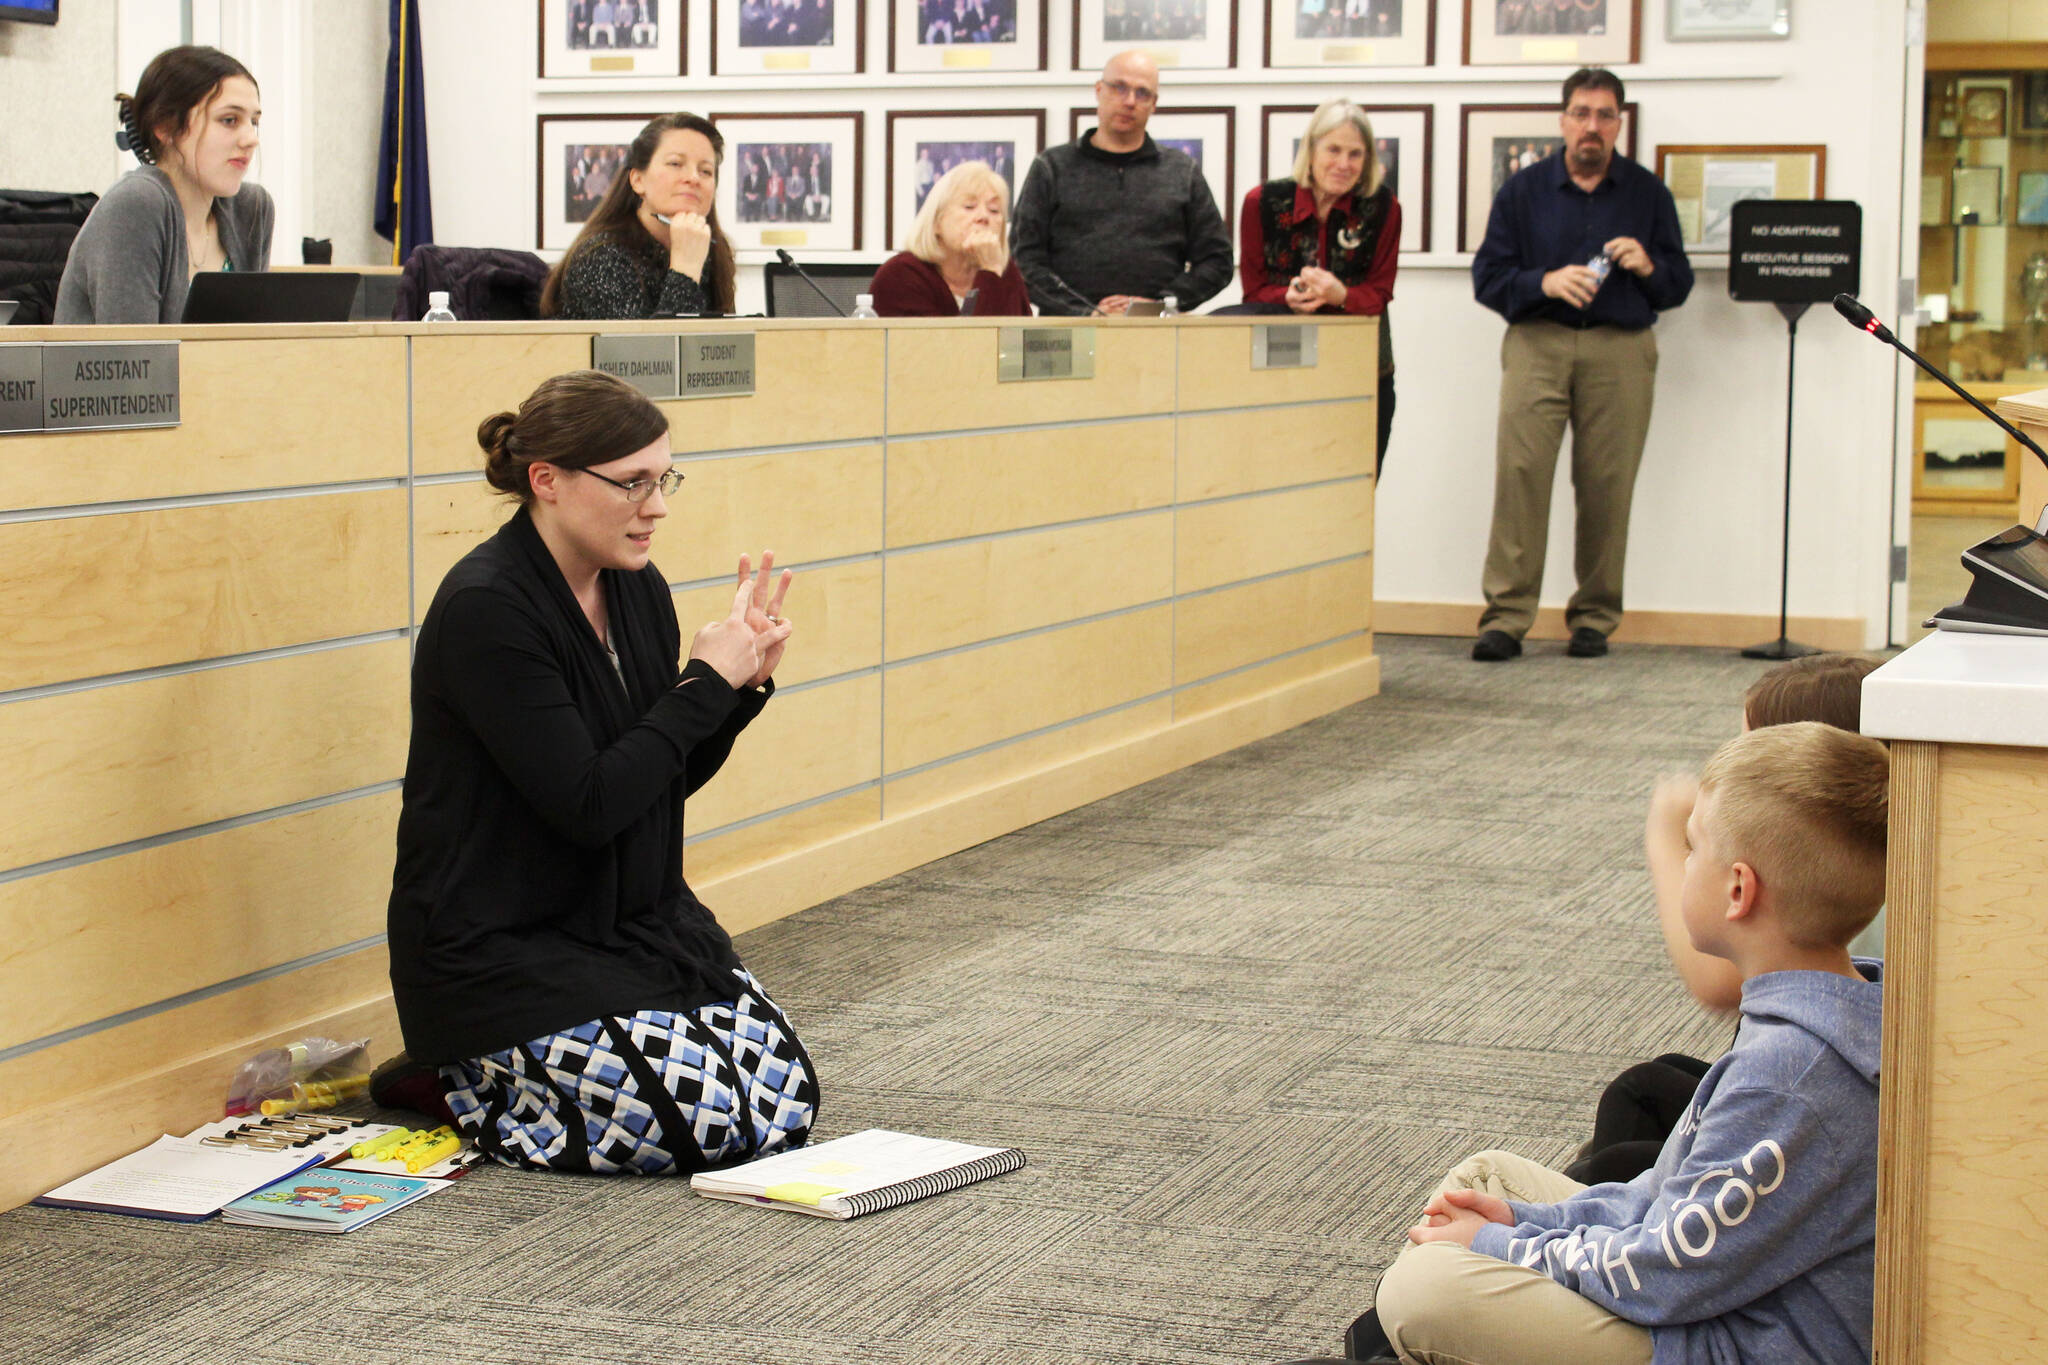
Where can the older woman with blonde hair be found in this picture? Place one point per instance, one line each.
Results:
(958, 246)
(1327, 239)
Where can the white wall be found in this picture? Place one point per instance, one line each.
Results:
(57, 116)
(1707, 510)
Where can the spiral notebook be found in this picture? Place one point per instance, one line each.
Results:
(864, 1173)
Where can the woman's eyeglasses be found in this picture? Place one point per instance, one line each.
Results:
(641, 489)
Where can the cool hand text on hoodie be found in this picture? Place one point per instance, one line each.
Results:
(1753, 1237)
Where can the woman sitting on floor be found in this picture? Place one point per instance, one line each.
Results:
(652, 247)
(958, 245)
(585, 1010)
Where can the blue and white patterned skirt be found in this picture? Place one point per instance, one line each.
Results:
(653, 1093)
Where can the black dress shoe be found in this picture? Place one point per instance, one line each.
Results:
(1587, 643)
(1367, 1341)
(1497, 647)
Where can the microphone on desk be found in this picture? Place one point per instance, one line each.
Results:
(2009, 572)
(783, 255)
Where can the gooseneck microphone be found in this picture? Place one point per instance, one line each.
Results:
(1851, 307)
(783, 255)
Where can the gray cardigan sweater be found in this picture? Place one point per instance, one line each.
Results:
(1093, 223)
(129, 264)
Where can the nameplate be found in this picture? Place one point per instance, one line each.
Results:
(715, 365)
(646, 360)
(1044, 353)
(94, 386)
(1284, 346)
(21, 388)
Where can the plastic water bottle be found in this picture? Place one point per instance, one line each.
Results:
(1169, 306)
(437, 307)
(863, 307)
(1601, 267)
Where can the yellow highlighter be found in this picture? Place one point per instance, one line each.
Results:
(420, 1141)
(418, 1159)
(376, 1147)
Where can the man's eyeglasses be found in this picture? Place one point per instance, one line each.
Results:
(1579, 113)
(1124, 91)
(641, 489)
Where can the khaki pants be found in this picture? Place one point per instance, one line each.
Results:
(1443, 1305)
(1602, 381)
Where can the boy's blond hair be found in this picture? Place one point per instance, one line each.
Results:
(1805, 805)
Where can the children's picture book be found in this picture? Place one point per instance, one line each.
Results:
(864, 1173)
(328, 1199)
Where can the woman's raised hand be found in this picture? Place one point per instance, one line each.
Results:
(689, 244)
(764, 612)
(985, 247)
(731, 646)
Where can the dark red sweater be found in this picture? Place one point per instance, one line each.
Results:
(906, 287)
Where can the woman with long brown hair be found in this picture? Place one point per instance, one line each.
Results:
(192, 123)
(652, 247)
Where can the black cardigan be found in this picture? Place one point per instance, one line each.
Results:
(539, 881)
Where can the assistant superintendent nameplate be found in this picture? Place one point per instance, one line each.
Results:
(1283, 346)
(715, 365)
(95, 385)
(1044, 353)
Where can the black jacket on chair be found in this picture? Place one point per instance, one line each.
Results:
(36, 230)
(484, 284)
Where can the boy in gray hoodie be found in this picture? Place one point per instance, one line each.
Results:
(1753, 1236)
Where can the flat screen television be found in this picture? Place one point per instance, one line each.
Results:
(29, 11)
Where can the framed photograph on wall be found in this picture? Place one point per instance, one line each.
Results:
(1552, 32)
(791, 180)
(2034, 102)
(1983, 108)
(1177, 33)
(1350, 33)
(967, 35)
(925, 145)
(1696, 20)
(2032, 208)
(583, 38)
(579, 157)
(1401, 135)
(787, 37)
(1209, 135)
(1707, 182)
(1497, 140)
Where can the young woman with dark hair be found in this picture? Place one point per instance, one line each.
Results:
(584, 1009)
(192, 122)
(653, 247)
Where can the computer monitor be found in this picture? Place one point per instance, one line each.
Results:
(271, 296)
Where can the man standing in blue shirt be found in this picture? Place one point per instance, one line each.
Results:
(1582, 251)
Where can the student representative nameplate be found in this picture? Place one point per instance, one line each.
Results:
(1284, 346)
(95, 386)
(1044, 353)
(715, 365)
(645, 360)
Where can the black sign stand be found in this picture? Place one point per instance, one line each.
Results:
(1794, 253)
(1783, 648)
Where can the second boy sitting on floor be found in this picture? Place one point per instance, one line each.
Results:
(1753, 1236)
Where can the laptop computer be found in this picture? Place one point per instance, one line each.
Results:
(271, 296)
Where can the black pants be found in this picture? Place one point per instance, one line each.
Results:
(1637, 1112)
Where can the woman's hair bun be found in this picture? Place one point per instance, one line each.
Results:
(494, 434)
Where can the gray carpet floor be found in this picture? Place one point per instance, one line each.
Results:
(1241, 1018)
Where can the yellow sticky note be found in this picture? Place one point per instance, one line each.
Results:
(804, 1192)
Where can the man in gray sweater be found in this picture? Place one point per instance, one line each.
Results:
(1113, 218)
